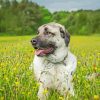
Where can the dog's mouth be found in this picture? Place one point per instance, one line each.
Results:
(43, 48)
(44, 51)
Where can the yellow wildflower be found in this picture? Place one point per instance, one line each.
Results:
(38, 84)
(1, 98)
(6, 78)
(23, 93)
(79, 62)
(17, 83)
(29, 93)
(61, 98)
(94, 68)
(96, 97)
(98, 53)
(45, 91)
(91, 57)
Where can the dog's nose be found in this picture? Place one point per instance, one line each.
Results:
(34, 41)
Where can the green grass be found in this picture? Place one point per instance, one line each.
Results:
(17, 81)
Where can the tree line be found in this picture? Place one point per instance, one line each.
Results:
(23, 18)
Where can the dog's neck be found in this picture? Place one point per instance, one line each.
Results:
(59, 56)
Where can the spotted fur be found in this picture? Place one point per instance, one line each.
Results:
(55, 70)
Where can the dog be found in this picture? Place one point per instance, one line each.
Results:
(53, 63)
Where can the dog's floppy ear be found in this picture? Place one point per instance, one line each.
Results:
(65, 34)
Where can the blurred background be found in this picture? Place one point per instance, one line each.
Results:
(23, 17)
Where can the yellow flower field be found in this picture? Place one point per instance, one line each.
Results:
(17, 81)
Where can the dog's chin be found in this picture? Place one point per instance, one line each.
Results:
(44, 51)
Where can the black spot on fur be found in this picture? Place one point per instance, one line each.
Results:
(69, 89)
(46, 29)
(72, 73)
(64, 64)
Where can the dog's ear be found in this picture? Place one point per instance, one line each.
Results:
(65, 34)
(67, 37)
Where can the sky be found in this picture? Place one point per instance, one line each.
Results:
(69, 5)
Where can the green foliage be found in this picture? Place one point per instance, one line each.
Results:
(23, 18)
(80, 22)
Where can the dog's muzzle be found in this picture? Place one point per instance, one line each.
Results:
(43, 48)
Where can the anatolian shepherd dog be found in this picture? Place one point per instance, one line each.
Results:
(53, 63)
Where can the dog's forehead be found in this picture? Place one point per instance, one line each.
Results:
(51, 26)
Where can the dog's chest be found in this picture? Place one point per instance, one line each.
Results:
(53, 74)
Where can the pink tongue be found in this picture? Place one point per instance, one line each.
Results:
(43, 51)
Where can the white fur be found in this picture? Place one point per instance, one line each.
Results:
(55, 71)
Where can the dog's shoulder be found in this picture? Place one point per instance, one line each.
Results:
(71, 62)
(72, 57)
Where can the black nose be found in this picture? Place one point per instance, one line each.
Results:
(34, 41)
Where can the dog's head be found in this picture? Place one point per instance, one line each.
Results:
(50, 39)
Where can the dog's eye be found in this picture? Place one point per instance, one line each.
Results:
(49, 33)
(52, 33)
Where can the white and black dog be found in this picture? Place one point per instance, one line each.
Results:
(53, 63)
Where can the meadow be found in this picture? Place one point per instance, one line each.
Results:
(17, 81)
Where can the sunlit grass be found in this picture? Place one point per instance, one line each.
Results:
(17, 81)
